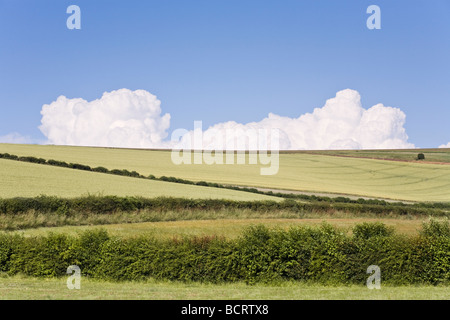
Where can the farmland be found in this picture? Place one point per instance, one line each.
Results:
(408, 181)
(52, 210)
(440, 155)
(21, 179)
(230, 228)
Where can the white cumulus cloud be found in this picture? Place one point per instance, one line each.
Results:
(125, 118)
(445, 145)
(121, 118)
(342, 123)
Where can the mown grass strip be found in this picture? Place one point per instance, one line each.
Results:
(21, 287)
(221, 224)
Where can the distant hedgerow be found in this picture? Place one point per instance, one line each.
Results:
(79, 166)
(100, 169)
(58, 163)
(32, 160)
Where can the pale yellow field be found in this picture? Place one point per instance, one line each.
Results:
(303, 172)
(30, 180)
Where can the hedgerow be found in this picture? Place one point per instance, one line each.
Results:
(321, 255)
(110, 204)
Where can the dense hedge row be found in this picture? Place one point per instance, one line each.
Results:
(64, 164)
(110, 204)
(323, 255)
(312, 198)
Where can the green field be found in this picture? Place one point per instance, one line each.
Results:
(298, 171)
(335, 172)
(25, 288)
(228, 228)
(21, 179)
(431, 155)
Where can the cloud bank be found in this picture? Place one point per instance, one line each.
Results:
(445, 145)
(342, 123)
(121, 118)
(133, 119)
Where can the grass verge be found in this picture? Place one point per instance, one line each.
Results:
(223, 227)
(214, 218)
(28, 288)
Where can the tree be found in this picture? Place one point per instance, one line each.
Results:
(420, 156)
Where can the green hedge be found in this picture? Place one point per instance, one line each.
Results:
(109, 204)
(321, 255)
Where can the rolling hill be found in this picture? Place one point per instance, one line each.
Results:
(399, 180)
(21, 179)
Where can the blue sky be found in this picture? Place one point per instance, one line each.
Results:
(220, 60)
